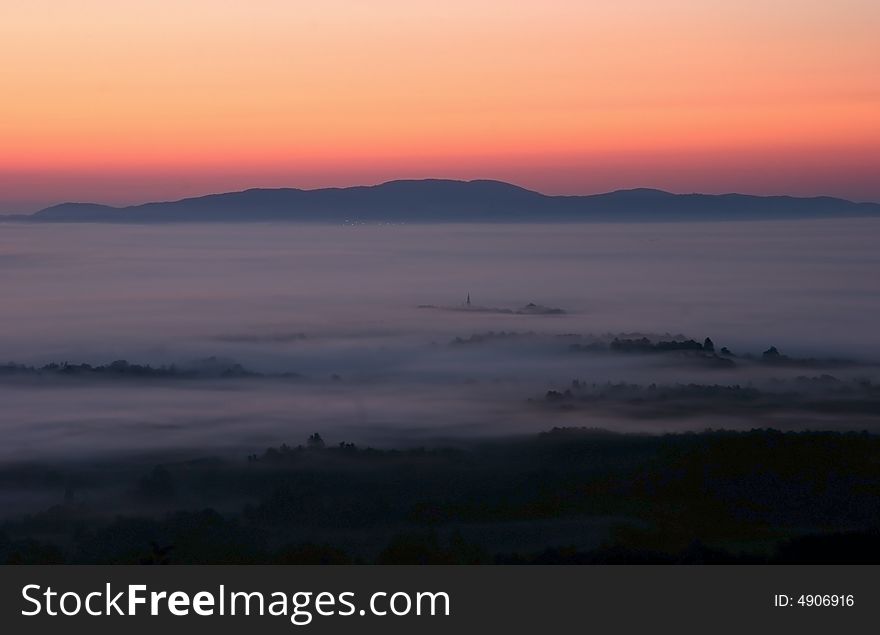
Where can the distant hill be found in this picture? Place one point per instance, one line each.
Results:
(435, 200)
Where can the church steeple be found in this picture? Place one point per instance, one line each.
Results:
(468, 299)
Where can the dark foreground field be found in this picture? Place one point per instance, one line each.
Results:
(565, 496)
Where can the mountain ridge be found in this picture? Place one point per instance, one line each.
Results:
(447, 200)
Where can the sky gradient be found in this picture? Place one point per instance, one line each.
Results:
(124, 101)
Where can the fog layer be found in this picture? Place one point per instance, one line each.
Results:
(339, 307)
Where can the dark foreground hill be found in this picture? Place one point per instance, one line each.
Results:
(433, 200)
(565, 496)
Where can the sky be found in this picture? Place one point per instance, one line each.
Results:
(124, 101)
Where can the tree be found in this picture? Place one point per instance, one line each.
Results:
(771, 353)
(315, 442)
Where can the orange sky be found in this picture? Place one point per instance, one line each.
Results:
(129, 100)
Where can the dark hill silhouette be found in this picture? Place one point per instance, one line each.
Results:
(437, 200)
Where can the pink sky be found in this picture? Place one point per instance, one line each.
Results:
(127, 101)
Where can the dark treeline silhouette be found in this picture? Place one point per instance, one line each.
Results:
(825, 394)
(706, 352)
(675, 347)
(643, 343)
(565, 496)
(210, 367)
